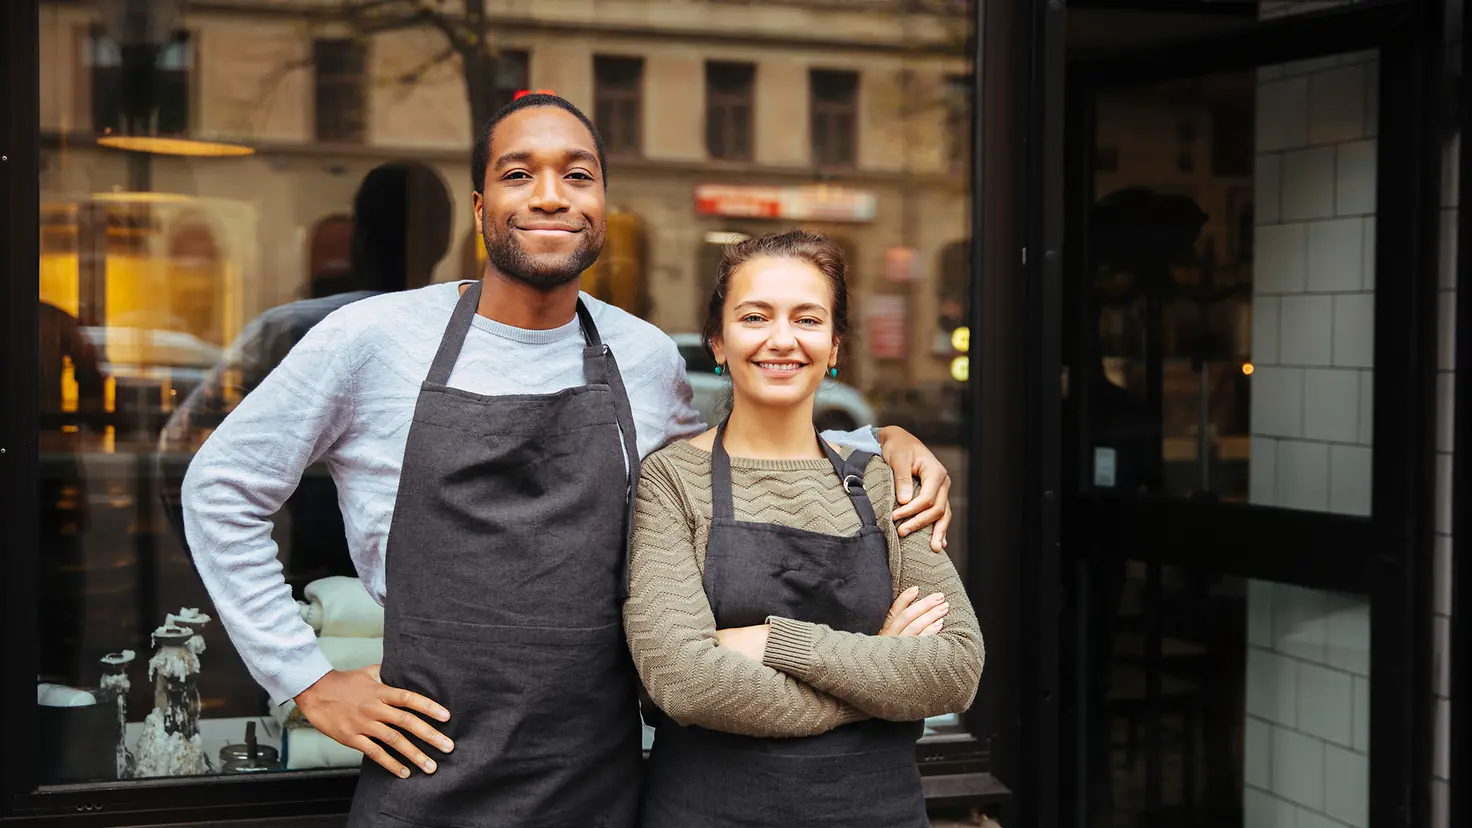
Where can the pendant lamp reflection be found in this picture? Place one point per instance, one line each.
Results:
(140, 58)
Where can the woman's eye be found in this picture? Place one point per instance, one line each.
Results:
(810, 321)
(751, 317)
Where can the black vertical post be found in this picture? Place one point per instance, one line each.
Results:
(20, 195)
(1403, 485)
(1459, 805)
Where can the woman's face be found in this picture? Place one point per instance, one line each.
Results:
(777, 333)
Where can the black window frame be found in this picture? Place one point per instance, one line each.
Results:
(833, 117)
(340, 90)
(618, 103)
(730, 95)
(1388, 556)
(954, 767)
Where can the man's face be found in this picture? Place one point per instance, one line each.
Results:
(541, 206)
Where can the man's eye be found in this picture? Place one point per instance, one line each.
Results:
(516, 174)
(581, 176)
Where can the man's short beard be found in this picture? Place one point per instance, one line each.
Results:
(508, 258)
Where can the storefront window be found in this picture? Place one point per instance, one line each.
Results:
(204, 171)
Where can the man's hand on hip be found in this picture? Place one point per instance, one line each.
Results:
(358, 710)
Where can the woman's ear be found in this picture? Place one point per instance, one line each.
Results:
(717, 350)
(833, 354)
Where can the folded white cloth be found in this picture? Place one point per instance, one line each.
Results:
(339, 606)
(351, 653)
(307, 747)
(342, 654)
(59, 695)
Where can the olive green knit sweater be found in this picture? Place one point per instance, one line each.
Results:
(812, 678)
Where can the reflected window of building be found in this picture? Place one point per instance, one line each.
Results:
(729, 100)
(174, 285)
(618, 103)
(512, 71)
(835, 107)
(958, 120)
(113, 80)
(340, 82)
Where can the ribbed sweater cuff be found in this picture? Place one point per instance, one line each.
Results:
(789, 646)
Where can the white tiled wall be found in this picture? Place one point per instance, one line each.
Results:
(1307, 733)
(1308, 666)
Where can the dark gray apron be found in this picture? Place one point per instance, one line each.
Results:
(506, 568)
(862, 775)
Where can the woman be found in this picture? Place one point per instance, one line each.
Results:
(792, 642)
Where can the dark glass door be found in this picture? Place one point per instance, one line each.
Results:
(1245, 444)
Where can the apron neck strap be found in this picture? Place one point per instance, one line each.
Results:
(454, 337)
(850, 472)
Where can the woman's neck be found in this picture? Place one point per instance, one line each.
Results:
(759, 433)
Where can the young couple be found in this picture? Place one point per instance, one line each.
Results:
(488, 439)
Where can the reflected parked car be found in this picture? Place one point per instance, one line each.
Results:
(148, 364)
(838, 406)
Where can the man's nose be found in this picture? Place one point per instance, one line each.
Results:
(547, 194)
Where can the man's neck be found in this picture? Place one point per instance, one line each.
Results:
(520, 305)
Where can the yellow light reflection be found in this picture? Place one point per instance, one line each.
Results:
(961, 338)
(961, 368)
(1247, 368)
(172, 146)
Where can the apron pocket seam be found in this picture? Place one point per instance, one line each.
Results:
(416, 626)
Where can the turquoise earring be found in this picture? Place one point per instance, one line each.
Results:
(833, 372)
(720, 369)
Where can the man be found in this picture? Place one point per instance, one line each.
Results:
(486, 445)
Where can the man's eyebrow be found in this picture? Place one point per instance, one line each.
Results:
(525, 156)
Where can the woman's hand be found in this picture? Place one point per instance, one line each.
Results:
(908, 458)
(911, 617)
(748, 641)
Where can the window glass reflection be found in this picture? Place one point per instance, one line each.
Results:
(216, 182)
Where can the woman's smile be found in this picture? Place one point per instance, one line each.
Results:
(780, 368)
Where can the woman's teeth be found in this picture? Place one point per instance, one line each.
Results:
(780, 367)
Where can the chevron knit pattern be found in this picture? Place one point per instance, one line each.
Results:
(814, 678)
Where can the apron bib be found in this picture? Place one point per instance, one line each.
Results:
(506, 566)
(862, 775)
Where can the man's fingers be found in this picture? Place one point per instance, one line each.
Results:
(938, 540)
(399, 697)
(929, 505)
(932, 477)
(373, 751)
(405, 720)
(395, 740)
(903, 466)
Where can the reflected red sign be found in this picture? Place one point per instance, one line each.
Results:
(521, 93)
